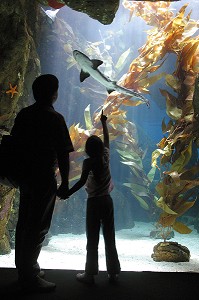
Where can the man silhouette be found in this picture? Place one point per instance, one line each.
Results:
(42, 142)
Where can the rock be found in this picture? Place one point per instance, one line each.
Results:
(18, 55)
(102, 10)
(4, 245)
(6, 201)
(171, 252)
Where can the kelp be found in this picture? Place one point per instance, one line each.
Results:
(141, 182)
(174, 34)
(176, 149)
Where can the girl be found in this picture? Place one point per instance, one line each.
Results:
(96, 175)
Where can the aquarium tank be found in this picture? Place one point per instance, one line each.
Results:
(148, 87)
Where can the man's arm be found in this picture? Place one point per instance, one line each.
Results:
(63, 163)
(63, 146)
(105, 130)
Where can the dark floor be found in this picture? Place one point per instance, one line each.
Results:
(132, 285)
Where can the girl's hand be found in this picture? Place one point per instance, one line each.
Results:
(103, 118)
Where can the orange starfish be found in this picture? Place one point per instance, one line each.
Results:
(12, 90)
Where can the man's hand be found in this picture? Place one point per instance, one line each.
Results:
(62, 191)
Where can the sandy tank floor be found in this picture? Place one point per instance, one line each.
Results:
(68, 251)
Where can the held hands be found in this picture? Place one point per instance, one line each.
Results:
(63, 191)
(103, 118)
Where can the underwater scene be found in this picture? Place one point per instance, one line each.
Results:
(145, 78)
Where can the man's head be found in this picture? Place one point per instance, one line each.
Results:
(45, 89)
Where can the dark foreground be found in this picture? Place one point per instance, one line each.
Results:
(131, 285)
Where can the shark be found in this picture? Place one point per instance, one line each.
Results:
(89, 67)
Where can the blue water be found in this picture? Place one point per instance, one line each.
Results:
(112, 40)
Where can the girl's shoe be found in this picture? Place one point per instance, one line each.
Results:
(85, 278)
(113, 278)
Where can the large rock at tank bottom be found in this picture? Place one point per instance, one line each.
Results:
(171, 252)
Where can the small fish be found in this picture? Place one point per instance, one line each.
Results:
(89, 67)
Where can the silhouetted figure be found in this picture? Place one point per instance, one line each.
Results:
(42, 141)
(96, 175)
